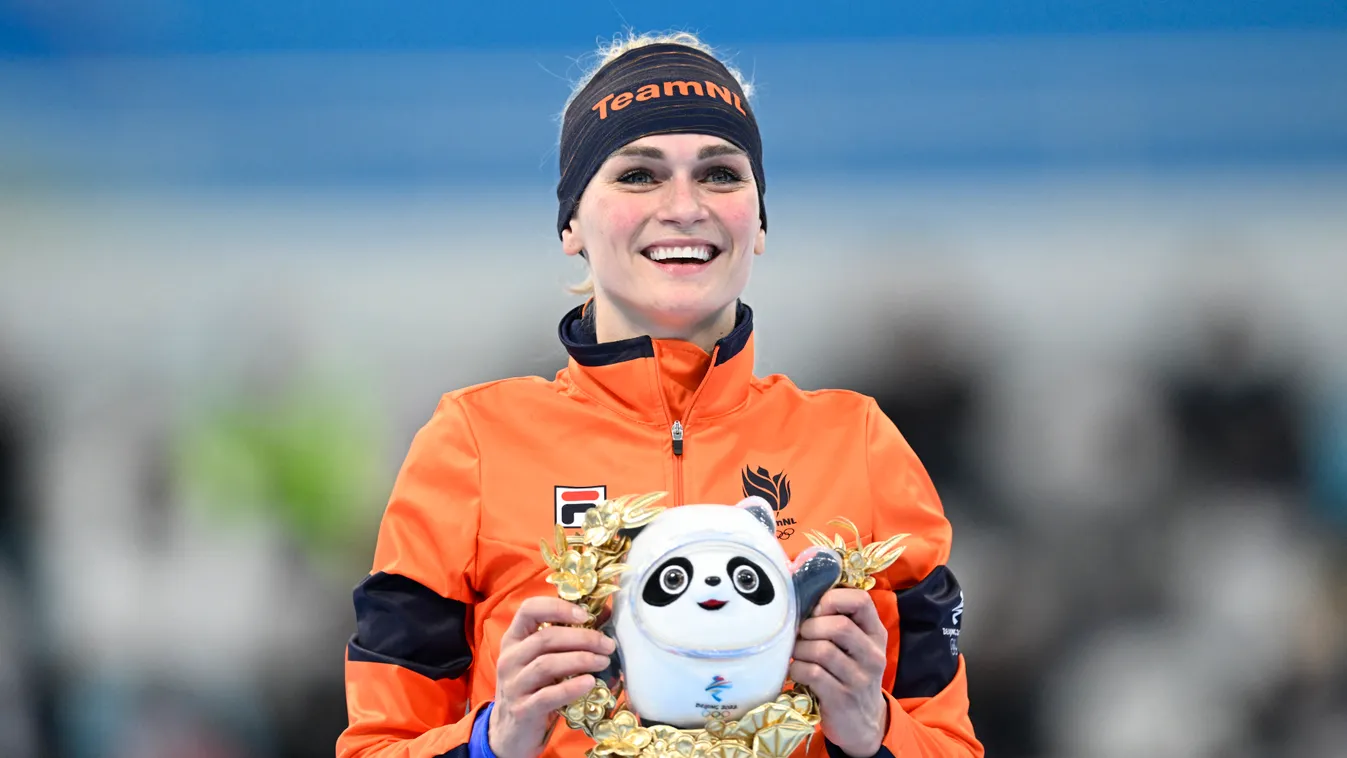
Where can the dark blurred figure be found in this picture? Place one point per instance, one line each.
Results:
(22, 701)
(1240, 417)
(934, 388)
(932, 392)
(15, 487)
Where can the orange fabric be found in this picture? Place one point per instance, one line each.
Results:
(476, 494)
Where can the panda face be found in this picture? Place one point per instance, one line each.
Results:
(718, 597)
(675, 576)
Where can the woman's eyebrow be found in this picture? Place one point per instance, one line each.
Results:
(641, 152)
(710, 151)
(715, 151)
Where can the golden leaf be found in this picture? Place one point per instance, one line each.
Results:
(603, 591)
(552, 560)
(881, 555)
(877, 565)
(876, 548)
(560, 540)
(612, 570)
(639, 511)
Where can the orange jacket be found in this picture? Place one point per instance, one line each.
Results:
(499, 464)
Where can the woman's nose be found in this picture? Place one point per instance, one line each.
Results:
(683, 205)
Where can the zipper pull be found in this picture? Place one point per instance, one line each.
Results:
(678, 437)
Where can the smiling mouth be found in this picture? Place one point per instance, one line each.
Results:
(693, 255)
(713, 605)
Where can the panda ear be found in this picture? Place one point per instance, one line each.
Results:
(760, 510)
(814, 572)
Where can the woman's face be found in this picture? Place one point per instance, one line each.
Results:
(670, 226)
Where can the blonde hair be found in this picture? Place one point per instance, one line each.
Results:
(611, 51)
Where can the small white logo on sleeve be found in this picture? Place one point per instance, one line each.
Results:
(952, 631)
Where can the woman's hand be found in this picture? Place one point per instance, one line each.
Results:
(840, 656)
(532, 673)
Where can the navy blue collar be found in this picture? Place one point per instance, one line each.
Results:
(577, 334)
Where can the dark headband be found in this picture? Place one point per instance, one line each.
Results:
(657, 89)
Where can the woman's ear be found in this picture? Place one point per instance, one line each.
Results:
(761, 244)
(571, 243)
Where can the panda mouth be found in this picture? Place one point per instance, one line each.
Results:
(713, 605)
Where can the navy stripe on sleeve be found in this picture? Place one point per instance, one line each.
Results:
(837, 752)
(930, 617)
(404, 623)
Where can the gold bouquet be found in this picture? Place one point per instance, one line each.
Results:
(586, 568)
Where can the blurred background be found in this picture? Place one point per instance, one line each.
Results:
(1091, 258)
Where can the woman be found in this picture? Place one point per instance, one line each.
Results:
(661, 192)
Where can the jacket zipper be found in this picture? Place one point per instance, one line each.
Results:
(677, 431)
(677, 434)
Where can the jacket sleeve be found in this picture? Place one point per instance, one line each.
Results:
(408, 664)
(920, 603)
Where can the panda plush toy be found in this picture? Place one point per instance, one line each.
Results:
(709, 611)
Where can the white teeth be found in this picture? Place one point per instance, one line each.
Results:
(701, 253)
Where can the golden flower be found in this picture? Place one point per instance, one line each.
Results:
(765, 715)
(853, 571)
(780, 740)
(621, 735)
(855, 562)
(717, 728)
(668, 742)
(602, 523)
(590, 709)
(575, 577)
(860, 564)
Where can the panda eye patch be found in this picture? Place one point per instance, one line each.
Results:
(668, 582)
(750, 581)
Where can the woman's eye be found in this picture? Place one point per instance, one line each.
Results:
(636, 176)
(723, 175)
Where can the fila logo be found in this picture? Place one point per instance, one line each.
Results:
(572, 502)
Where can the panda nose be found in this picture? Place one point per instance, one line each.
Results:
(713, 580)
